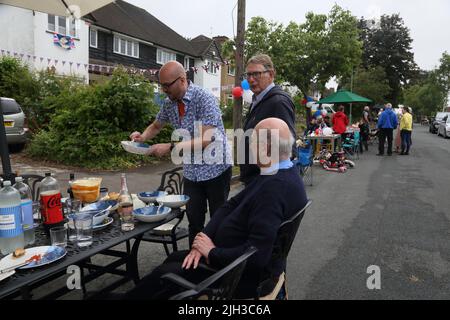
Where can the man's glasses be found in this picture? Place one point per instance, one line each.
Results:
(168, 85)
(255, 75)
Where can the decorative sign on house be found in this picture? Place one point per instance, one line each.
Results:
(64, 42)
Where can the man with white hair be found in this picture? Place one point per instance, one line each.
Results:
(387, 122)
(250, 219)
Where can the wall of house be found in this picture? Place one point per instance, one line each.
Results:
(227, 84)
(16, 27)
(206, 80)
(44, 47)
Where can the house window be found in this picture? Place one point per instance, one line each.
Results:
(126, 47)
(163, 57)
(212, 67)
(62, 24)
(187, 64)
(231, 70)
(51, 23)
(93, 38)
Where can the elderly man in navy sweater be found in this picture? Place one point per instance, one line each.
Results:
(249, 219)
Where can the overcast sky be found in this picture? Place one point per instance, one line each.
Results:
(428, 20)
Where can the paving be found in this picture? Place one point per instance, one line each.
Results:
(388, 212)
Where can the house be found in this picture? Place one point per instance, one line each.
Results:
(209, 64)
(227, 75)
(123, 34)
(44, 41)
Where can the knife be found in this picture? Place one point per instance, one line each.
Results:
(11, 268)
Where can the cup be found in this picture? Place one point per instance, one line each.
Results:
(83, 225)
(103, 192)
(58, 236)
(71, 231)
(73, 205)
(126, 217)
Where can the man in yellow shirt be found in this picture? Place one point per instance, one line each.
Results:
(405, 131)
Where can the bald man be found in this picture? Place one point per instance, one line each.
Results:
(249, 219)
(194, 109)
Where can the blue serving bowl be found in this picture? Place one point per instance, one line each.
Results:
(151, 214)
(149, 197)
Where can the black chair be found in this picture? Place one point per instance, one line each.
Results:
(229, 278)
(172, 183)
(34, 181)
(283, 242)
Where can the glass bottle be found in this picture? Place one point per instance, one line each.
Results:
(125, 208)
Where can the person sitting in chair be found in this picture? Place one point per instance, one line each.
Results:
(251, 218)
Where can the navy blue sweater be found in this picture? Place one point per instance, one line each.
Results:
(252, 218)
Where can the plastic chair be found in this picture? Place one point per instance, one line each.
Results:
(228, 276)
(283, 243)
(172, 183)
(304, 163)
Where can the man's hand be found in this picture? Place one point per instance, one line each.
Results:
(137, 136)
(160, 149)
(203, 244)
(191, 259)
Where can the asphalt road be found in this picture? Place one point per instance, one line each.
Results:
(391, 212)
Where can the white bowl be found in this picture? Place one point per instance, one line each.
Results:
(173, 200)
(136, 147)
(151, 214)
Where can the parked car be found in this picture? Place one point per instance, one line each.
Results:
(444, 127)
(434, 123)
(327, 107)
(14, 121)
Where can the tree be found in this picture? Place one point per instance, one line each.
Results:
(309, 53)
(388, 44)
(371, 83)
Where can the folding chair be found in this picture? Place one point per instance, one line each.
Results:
(351, 145)
(304, 163)
(229, 278)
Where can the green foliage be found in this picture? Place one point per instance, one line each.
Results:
(89, 122)
(425, 100)
(388, 45)
(370, 83)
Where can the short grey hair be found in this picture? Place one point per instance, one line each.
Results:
(388, 106)
(262, 59)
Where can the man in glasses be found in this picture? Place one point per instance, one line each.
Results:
(194, 110)
(269, 101)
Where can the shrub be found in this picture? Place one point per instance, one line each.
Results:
(89, 123)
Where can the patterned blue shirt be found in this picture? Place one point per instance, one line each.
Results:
(201, 109)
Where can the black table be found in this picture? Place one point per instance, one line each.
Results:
(24, 281)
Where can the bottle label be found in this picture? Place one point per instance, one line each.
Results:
(27, 214)
(10, 222)
(51, 208)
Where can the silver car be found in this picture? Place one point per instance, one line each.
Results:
(444, 127)
(14, 120)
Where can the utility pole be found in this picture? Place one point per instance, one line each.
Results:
(239, 58)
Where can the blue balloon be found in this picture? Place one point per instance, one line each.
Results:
(245, 85)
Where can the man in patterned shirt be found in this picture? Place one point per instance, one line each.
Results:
(193, 110)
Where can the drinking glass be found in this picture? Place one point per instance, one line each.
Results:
(83, 225)
(58, 236)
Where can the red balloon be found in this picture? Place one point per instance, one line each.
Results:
(237, 92)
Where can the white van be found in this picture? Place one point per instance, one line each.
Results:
(327, 107)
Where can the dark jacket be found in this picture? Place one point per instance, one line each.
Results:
(275, 104)
(252, 218)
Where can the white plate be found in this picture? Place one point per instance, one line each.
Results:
(6, 275)
(136, 147)
(103, 225)
(48, 255)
